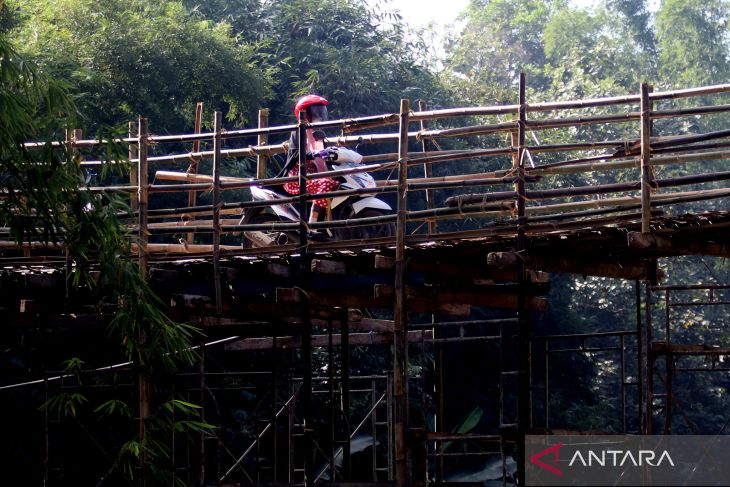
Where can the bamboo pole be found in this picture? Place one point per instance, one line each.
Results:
(261, 158)
(400, 339)
(132, 153)
(217, 127)
(145, 388)
(690, 92)
(688, 112)
(305, 312)
(622, 164)
(629, 99)
(464, 112)
(186, 156)
(593, 190)
(193, 167)
(142, 193)
(426, 167)
(645, 158)
(577, 121)
(523, 327)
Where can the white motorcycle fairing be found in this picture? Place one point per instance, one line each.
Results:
(355, 181)
(284, 210)
(370, 202)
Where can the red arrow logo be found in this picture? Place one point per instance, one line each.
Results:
(554, 450)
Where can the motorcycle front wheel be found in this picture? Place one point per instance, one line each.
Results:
(266, 238)
(367, 232)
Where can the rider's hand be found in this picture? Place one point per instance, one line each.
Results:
(324, 153)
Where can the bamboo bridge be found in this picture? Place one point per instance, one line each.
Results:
(484, 237)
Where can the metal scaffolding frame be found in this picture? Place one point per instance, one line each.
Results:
(668, 348)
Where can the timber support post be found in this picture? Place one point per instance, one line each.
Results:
(218, 125)
(400, 346)
(193, 168)
(261, 159)
(133, 153)
(304, 270)
(646, 169)
(427, 172)
(639, 356)
(72, 154)
(523, 326)
(345, 392)
(145, 389)
(649, 377)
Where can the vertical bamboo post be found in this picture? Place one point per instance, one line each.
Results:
(435, 331)
(274, 405)
(262, 140)
(523, 321)
(142, 193)
(374, 430)
(639, 355)
(668, 362)
(201, 398)
(622, 346)
(391, 430)
(302, 148)
(132, 153)
(145, 390)
(432, 224)
(345, 391)
(71, 137)
(217, 127)
(193, 168)
(648, 427)
(646, 178)
(46, 435)
(306, 404)
(400, 346)
(331, 383)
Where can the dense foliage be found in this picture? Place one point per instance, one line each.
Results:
(48, 201)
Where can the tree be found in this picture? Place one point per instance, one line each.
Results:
(693, 43)
(343, 49)
(501, 38)
(590, 54)
(132, 57)
(46, 199)
(636, 16)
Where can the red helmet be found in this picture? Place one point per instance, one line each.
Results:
(305, 102)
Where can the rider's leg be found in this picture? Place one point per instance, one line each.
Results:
(314, 214)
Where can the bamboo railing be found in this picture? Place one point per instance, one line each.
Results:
(211, 229)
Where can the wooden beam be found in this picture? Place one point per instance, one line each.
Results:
(620, 268)
(357, 339)
(489, 296)
(688, 349)
(332, 267)
(657, 243)
(358, 323)
(587, 265)
(352, 300)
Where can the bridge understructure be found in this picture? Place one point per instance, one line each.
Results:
(336, 362)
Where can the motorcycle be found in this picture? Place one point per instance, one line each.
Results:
(341, 207)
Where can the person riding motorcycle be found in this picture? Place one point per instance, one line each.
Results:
(343, 206)
(315, 108)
